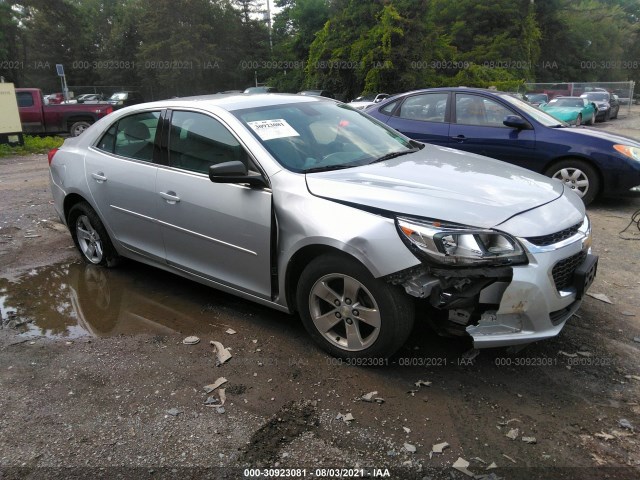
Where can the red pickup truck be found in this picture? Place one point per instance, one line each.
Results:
(36, 117)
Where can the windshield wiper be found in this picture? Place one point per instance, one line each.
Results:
(391, 155)
(328, 168)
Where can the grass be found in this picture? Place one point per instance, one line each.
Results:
(31, 145)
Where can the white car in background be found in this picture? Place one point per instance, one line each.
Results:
(364, 101)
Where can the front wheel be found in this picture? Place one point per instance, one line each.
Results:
(592, 120)
(90, 236)
(579, 120)
(349, 313)
(577, 175)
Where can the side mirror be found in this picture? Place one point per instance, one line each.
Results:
(234, 172)
(516, 121)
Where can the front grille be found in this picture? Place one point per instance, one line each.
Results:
(563, 270)
(544, 240)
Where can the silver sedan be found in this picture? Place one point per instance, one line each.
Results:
(307, 205)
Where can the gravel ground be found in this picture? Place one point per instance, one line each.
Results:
(96, 382)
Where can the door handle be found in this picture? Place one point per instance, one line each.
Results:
(99, 177)
(459, 138)
(170, 197)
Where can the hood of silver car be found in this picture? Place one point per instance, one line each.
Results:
(442, 184)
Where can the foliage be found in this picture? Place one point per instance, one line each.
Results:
(32, 144)
(182, 47)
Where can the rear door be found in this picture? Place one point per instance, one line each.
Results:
(219, 231)
(423, 117)
(477, 126)
(122, 178)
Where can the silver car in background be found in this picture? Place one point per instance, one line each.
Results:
(306, 205)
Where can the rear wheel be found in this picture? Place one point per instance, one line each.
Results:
(351, 314)
(78, 127)
(91, 237)
(577, 175)
(592, 120)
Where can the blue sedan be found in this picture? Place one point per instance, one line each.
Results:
(499, 125)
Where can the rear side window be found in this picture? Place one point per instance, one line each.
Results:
(25, 99)
(198, 141)
(132, 136)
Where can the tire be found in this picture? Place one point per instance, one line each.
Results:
(577, 175)
(78, 127)
(325, 292)
(616, 115)
(579, 120)
(607, 116)
(91, 237)
(592, 120)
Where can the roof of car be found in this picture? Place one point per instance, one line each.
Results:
(234, 101)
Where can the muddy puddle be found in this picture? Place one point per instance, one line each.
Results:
(73, 300)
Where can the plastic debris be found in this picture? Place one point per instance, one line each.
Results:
(600, 296)
(570, 355)
(513, 433)
(211, 387)
(410, 448)
(624, 423)
(439, 447)
(462, 466)
(406, 429)
(220, 410)
(604, 436)
(368, 397)
(174, 412)
(470, 354)
(530, 440)
(230, 331)
(422, 383)
(345, 418)
(222, 354)
(191, 340)
(492, 466)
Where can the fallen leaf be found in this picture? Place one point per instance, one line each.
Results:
(600, 296)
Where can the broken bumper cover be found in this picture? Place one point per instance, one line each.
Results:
(533, 306)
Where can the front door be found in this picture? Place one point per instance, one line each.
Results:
(219, 231)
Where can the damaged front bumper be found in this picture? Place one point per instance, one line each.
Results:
(507, 306)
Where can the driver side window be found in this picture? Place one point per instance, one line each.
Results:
(197, 141)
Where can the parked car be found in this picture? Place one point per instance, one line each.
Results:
(498, 125)
(573, 110)
(37, 117)
(608, 105)
(90, 98)
(536, 99)
(365, 101)
(125, 99)
(263, 89)
(54, 98)
(310, 206)
(317, 93)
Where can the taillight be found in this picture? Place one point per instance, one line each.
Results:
(109, 109)
(51, 154)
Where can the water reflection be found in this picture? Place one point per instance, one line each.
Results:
(75, 300)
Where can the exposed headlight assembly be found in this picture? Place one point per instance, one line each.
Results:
(628, 151)
(450, 245)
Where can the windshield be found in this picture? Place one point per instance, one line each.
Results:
(566, 102)
(119, 96)
(537, 114)
(537, 97)
(598, 97)
(312, 136)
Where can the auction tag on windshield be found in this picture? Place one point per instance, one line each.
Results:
(270, 129)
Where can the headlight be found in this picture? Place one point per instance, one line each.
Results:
(459, 246)
(629, 151)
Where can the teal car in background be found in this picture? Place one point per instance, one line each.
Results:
(574, 110)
